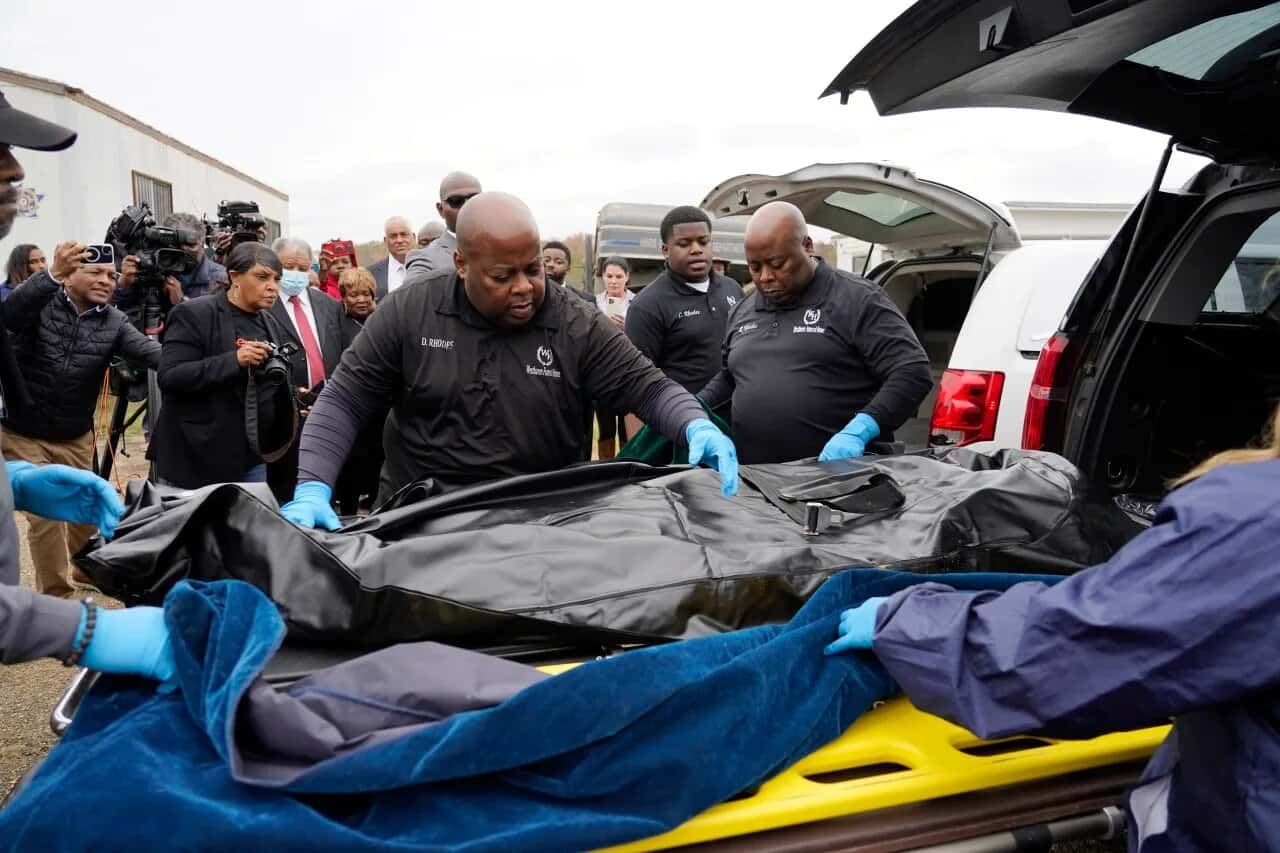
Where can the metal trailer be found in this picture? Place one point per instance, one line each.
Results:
(631, 230)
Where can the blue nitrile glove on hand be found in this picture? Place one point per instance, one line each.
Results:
(133, 641)
(64, 493)
(310, 506)
(707, 443)
(850, 442)
(857, 626)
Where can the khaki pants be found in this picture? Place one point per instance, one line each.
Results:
(51, 542)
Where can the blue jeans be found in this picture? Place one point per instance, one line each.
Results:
(256, 474)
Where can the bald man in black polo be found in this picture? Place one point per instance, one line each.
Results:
(488, 372)
(818, 361)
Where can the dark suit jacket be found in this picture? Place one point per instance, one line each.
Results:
(329, 331)
(200, 437)
(333, 335)
(422, 264)
(379, 270)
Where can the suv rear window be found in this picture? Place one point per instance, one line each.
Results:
(882, 209)
(1252, 280)
(1216, 50)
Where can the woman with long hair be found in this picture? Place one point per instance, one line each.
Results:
(1181, 623)
(613, 302)
(25, 260)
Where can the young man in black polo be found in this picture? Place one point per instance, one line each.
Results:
(679, 319)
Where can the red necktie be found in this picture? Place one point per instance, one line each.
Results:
(315, 361)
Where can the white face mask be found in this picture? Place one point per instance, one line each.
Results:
(293, 282)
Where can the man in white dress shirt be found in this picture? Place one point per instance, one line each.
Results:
(388, 273)
(313, 321)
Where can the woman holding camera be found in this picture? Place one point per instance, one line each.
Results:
(228, 404)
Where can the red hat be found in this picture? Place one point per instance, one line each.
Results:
(340, 249)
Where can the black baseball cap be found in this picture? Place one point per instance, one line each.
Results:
(27, 131)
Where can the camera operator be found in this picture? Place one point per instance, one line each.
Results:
(64, 334)
(228, 401)
(208, 276)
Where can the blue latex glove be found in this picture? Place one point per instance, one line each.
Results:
(310, 506)
(857, 626)
(134, 641)
(850, 442)
(64, 493)
(707, 443)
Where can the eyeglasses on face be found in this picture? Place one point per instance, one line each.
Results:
(457, 201)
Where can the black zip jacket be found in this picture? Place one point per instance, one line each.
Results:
(680, 329)
(62, 356)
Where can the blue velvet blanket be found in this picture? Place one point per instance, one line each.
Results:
(362, 758)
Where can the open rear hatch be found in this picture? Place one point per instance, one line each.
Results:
(878, 203)
(1201, 71)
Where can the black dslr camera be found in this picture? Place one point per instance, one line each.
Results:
(241, 219)
(159, 251)
(278, 367)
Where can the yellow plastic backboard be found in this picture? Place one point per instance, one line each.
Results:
(931, 761)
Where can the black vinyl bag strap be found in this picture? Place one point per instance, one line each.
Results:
(251, 423)
(875, 495)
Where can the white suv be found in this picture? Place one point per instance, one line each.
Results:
(983, 394)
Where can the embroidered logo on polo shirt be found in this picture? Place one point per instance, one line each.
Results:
(689, 312)
(748, 327)
(811, 317)
(546, 358)
(437, 343)
(732, 300)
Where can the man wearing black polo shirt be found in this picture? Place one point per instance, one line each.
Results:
(487, 373)
(679, 319)
(817, 361)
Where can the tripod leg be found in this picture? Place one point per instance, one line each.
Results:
(114, 434)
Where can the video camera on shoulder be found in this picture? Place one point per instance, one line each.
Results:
(160, 251)
(241, 219)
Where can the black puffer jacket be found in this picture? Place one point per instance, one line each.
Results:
(63, 355)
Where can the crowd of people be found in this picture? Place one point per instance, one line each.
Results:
(465, 356)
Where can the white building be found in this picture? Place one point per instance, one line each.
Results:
(1036, 220)
(116, 160)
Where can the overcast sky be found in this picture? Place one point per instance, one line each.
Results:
(357, 110)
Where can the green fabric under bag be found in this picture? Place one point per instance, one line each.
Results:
(653, 448)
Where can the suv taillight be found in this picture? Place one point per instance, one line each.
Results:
(966, 409)
(1048, 388)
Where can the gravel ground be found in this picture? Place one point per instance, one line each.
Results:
(29, 691)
